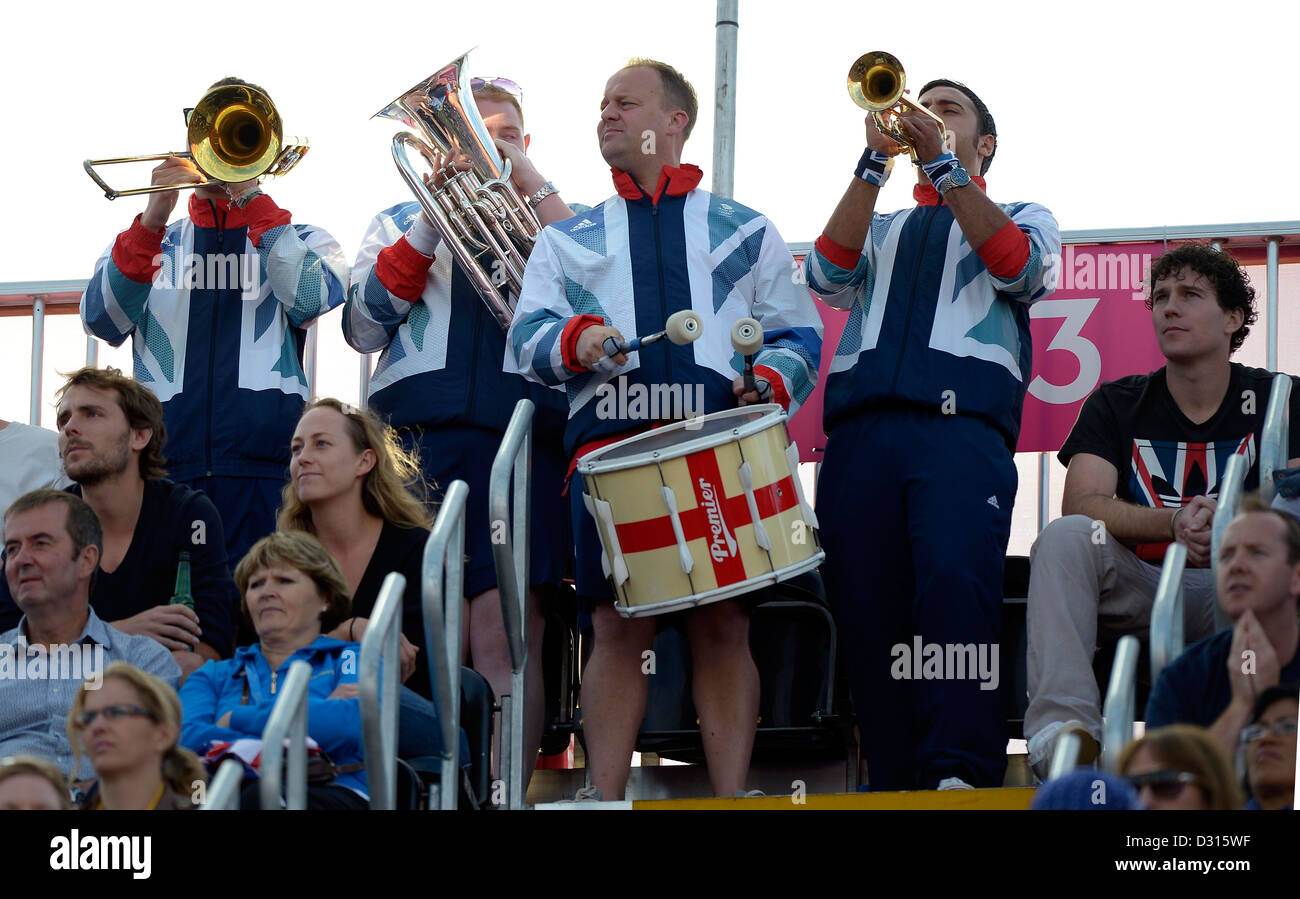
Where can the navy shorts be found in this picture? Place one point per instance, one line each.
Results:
(465, 453)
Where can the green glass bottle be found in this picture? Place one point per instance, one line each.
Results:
(182, 594)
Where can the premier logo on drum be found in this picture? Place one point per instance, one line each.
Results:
(619, 400)
(722, 545)
(946, 661)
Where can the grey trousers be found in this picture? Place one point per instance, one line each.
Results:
(1082, 581)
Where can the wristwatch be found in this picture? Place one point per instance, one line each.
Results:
(957, 176)
(542, 193)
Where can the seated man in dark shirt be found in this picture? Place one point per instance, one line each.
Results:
(110, 437)
(1216, 682)
(1145, 460)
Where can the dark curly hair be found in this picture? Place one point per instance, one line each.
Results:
(1231, 285)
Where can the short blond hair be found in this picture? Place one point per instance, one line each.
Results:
(300, 550)
(678, 92)
(16, 765)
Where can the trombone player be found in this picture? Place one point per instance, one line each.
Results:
(439, 381)
(217, 304)
(925, 393)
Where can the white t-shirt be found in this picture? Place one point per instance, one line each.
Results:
(29, 458)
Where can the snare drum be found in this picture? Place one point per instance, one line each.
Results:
(700, 510)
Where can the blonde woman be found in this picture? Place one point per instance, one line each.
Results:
(33, 785)
(353, 487)
(129, 727)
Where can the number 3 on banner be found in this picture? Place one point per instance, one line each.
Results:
(1075, 312)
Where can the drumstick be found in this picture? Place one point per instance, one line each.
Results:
(681, 328)
(747, 340)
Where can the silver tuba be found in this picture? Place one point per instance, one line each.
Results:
(479, 214)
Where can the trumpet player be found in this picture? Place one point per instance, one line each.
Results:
(922, 415)
(439, 382)
(217, 304)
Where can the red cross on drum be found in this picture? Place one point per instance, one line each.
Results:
(700, 510)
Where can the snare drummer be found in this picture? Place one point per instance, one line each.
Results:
(659, 246)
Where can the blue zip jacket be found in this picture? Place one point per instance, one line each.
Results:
(217, 309)
(928, 324)
(335, 724)
(441, 346)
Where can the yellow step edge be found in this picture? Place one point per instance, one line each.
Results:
(1003, 798)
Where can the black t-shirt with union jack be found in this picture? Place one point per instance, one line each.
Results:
(1163, 458)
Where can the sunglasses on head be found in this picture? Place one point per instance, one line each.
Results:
(1163, 784)
(476, 84)
(113, 713)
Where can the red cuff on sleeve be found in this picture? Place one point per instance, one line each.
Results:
(136, 250)
(778, 384)
(569, 340)
(403, 270)
(843, 257)
(262, 215)
(1006, 252)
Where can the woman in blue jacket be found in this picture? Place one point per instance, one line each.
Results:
(293, 592)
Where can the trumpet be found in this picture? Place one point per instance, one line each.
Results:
(479, 214)
(876, 82)
(235, 134)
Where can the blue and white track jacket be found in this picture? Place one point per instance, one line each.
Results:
(633, 261)
(442, 348)
(928, 323)
(217, 317)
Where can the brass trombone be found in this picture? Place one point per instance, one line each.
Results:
(235, 134)
(876, 82)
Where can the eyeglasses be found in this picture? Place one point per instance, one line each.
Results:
(113, 713)
(477, 84)
(1163, 784)
(1281, 728)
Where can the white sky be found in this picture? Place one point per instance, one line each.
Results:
(1112, 114)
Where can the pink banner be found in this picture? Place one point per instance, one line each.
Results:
(1094, 328)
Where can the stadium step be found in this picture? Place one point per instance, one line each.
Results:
(1002, 798)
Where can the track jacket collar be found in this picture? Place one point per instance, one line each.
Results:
(676, 181)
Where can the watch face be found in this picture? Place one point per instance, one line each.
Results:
(960, 177)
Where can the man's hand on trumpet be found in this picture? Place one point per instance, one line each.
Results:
(924, 134)
(172, 170)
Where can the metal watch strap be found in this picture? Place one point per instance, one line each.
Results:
(542, 193)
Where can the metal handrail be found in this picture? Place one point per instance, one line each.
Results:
(1167, 611)
(510, 544)
(1230, 490)
(1065, 755)
(378, 690)
(442, 595)
(223, 791)
(288, 719)
(1121, 698)
(1274, 448)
